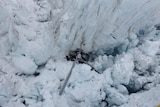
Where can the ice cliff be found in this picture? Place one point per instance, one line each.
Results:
(122, 38)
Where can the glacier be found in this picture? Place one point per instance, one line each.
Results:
(121, 37)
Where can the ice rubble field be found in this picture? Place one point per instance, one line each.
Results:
(123, 37)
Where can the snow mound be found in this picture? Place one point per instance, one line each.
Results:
(24, 64)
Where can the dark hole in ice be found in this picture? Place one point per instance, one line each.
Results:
(16, 73)
(92, 55)
(24, 102)
(131, 89)
(28, 75)
(42, 65)
(157, 27)
(116, 51)
(61, 79)
(135, 86)
(81, 57)
(105, 103)
(73, 55)
(141, 32)
(23, 55)
(36, 74)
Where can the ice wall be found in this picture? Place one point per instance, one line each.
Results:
(39, 29)
(93, 24)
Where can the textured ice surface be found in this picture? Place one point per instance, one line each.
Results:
(123, 39)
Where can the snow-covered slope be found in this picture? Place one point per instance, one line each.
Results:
(121, 37)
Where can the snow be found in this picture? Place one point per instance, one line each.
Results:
(115, 98)
(24, 64)
(121, 37)
(122, 70)
(146, 99)
(4, 26)
(149, 46)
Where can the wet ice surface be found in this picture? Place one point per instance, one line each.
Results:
(122, 40)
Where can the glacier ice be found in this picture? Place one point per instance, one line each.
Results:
(122, 38)
(24, 64)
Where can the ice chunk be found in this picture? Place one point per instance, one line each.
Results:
(146, 99)
(4, 21)
(122, 89)
(50, 65)
(43, 11)
(122, 70)
(25, 64)
(114, 97)
(85, 85)
(6, 89)
(4, 26)
(4, 46)
(150, 48)
(142, 61)
(101, 63)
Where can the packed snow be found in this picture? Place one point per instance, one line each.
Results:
(115, 46)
